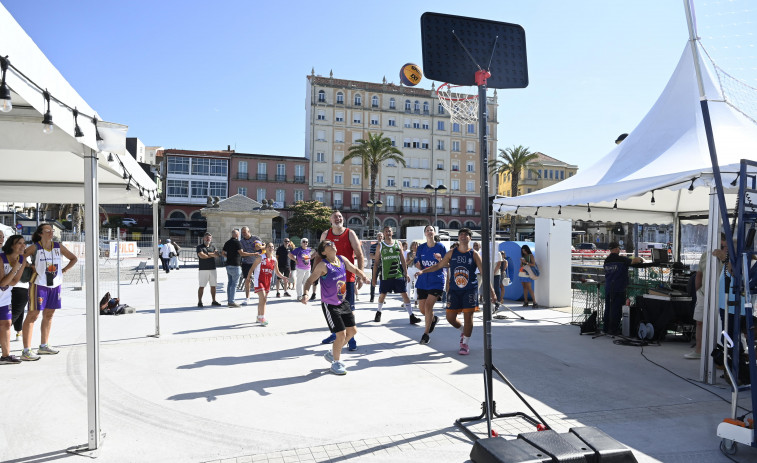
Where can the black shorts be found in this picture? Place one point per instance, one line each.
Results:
(394, 285)
(284, 268)
(425, 293)
(246, 269)
(338, 317)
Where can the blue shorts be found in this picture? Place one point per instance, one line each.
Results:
(44, 297)
(5, 313)
(463, 301)
(395, 285)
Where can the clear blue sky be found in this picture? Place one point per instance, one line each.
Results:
(203, 75)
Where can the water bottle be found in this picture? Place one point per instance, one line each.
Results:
(625, 320)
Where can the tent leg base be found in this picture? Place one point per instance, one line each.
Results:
(84, 450)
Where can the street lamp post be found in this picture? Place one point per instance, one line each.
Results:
(440, 189)
(373, 205)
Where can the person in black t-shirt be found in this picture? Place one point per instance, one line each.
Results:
(282, 261)
(207, 254)
(616, 281)
(233, 252)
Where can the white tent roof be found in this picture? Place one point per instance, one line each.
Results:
(663, 154)
(50, 168)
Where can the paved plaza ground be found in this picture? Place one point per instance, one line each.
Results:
(217, 387)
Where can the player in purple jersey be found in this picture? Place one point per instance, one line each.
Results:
(332, 271)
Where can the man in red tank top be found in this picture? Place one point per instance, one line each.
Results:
(347, 245)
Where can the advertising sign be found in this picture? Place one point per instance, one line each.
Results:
(128, 249)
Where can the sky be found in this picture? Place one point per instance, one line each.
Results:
(203, 75)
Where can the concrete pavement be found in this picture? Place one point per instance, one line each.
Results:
(217, 387)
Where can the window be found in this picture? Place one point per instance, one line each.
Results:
(416, 124)
(321, 115)
(455, 166)
(321, 96)
(321, 135)
(469, 185)
(562, 175)
(356, 136)
(455, 145)
(392, 103)
(356, 179)
(425, 107)
(416, 143)
(407, 105)
(242, 167)
(338, 157)
(424, 163)
(394, 142)
(339, 116)
(177, 188)
(177, 215)
(340, 98)
(338, 179)
(218, 189)
(456, 185)
(374, 101)
(339, 137)
(280, 196)
(390, 181)
(219, 167)
(281, 169)
(414, 163)
(357, 118)
(417, 106)
(374, 119)
(439, 164)
(178, 165)
(470, 166)
(358, 100)
(416, 183)
(199, 189)
(200, 166)
(319, 196)
(440, 109)
(405, 182)
(439, 125)
(407, 123)
(338, 200)
(440, 145)
(470, 146)
(391, 163)
(320, 156)
(357, 161)
(299, 170)
(390, 201)
(406, 143)
(425, 125)
(392, 122)
(242, 190)
(261, 194)
(299, 195)
(471, 128)
(319, 177)
(424, 144)
(455, 127)
(469, 205)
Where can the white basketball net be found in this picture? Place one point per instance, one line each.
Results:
(462, 108)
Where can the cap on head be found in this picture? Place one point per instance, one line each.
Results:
(168, 240)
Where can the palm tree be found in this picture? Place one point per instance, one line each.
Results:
(373, 152)
(513, 161)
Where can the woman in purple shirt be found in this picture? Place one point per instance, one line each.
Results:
(332, 271)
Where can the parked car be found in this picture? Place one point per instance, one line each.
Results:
(128, 222)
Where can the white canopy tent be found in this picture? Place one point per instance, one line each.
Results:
(61, 168)
(661, 156)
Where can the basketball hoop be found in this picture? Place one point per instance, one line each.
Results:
(461, 107)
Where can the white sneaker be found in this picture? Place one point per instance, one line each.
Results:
(245, 302)
(693, 355)
(46, 350)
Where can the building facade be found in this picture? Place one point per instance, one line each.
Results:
(437, 152)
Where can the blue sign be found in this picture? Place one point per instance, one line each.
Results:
(19, 226)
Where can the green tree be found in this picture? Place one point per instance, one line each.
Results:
(311, 216)
(513, 161)
(373, 152)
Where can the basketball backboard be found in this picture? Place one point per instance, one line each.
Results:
(445, 40)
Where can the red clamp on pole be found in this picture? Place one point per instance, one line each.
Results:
(481, 77)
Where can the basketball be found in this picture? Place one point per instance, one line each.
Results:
(411, 74)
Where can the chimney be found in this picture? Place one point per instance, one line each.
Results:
(228, 147)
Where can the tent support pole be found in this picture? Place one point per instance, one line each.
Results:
(156, 270)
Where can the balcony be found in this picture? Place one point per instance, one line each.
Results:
(243, 176)
(281, 178)
(454, 211)
(261, 177)
(390, 208)
(355, 207)
(440, 210)
(415, 210)
(338, 205)
(299, 179)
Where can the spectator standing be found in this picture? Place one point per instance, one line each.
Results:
(232, 251)
(247, 241)
(174, 262)
(722, 256)
(301, 256)
(45, 287)
(282, 259)
(616, 282)
(207, 255)
(12, 264)
(165, 255)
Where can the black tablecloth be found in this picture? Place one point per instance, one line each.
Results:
(663, 315)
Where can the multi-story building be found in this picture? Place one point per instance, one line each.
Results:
(436, 152)
(280, 178)
(541, 173)
(189, 178)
